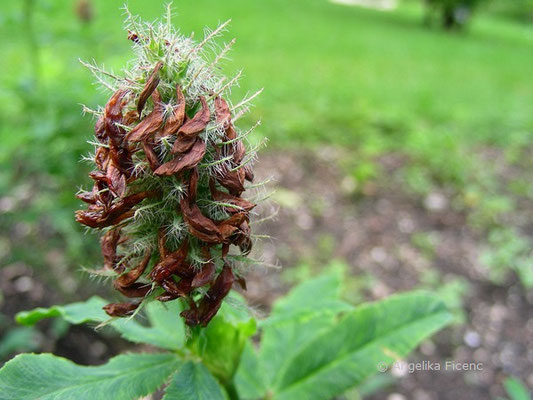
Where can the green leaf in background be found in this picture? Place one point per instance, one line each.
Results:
(47, 377)
(19, 339)
(194, 382)
(250, 378)
(309, 309)
(314, 296)
(166, 329)
(220, 344)
(75, 313)
(350, 351)
(516, 389)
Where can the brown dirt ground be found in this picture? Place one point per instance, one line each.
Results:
(372, 231)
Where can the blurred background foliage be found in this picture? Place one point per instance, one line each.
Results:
(455, 107)
(371, 82)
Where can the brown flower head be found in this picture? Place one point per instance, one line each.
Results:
(170, 172)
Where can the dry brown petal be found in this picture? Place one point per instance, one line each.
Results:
(151, 155)
(120, 309)
(137, 289)
(171, 263)
(121, 158)
(99, 129)
(87, 197)
(248, 173)
(183, 144)
(242, 282)
(133, 274)
(149, 87)
(99, 176)
(233, 181)
(238, 152)
(131, 117)
(113, 115)
(242, 204)
(101, 158)
(100, 218)
(211, 302)
(184, 161)
(103, 196)
(175, 120)
(180, 289)
(148, 126)
(243, 239)
(222, 112)
(197, 123)
(193, 185)
(231, 133)
(116, 180)
(231, 225)
(199, 225)
(205, 275)
(108, 244)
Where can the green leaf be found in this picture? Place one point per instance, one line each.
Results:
(166, 328)
(19, 339)
(314, 296)
(220, 344)
(296, 319)
(47, 377)
(516, 389)
(75, 313)
(194, 382)
(348, 352)
(250, 377)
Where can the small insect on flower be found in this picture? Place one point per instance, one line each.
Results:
(170, 171)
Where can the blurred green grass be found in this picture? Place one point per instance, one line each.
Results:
(332, 73)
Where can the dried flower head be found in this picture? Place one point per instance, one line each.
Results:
(171, 168)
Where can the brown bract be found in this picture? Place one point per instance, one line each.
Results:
(175, 120)
(136, 289)
(240, 203)
(150, 124)
(222, 112)
(113, 115)
(108, 244)
(212, 301)
(116, 180)
(151, 156)
(100, 217)
(182, 144)
(233, 180)
(184, 161)
(206, 275)
(149, 87)
(199, 225)
(171, 263)
(197, 123)
(130, 277)
(120, 309)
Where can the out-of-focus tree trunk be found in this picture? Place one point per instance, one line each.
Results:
(448, 18)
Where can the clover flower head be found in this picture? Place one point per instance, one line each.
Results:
(170, 171)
